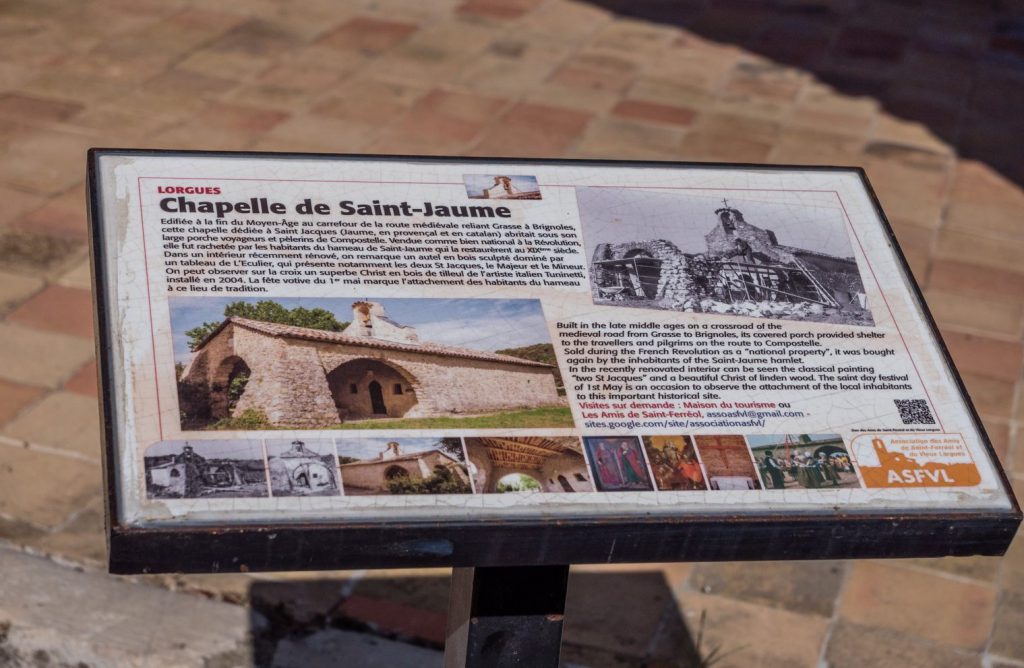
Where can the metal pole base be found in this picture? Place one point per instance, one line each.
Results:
(506, 617)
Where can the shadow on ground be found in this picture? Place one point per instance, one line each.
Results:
(613, 620)
(956, 67)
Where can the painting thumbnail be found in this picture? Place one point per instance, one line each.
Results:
(727, 462)
(618, 463)
(674, 463)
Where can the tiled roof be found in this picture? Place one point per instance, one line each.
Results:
(307, 334)
(401, 458)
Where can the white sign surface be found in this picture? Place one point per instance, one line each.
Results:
(348, 339)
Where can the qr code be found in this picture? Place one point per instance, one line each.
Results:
(914, 411)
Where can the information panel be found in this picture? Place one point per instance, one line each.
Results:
(411, 360)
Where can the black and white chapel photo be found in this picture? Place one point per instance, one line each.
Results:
(738, 256)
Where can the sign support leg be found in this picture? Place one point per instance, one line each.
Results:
(506, 617)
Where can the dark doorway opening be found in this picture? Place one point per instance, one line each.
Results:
(377, 399)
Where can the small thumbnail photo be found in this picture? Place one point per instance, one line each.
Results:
(501, 464)
(674, 462)
(803, 461)
(728, 463)
(501, 186)
(205, 469)
(383, 466)
(618, 463)
(302, 468)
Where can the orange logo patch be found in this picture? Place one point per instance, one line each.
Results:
(915, 460)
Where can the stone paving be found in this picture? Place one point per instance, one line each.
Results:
(925, 95)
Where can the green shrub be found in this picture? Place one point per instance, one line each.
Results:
(250, 418)
(444, 480)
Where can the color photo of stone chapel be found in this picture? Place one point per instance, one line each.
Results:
(245, 364)
(739, 256)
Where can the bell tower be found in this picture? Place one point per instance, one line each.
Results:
(728, 217)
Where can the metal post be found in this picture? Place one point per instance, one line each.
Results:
(506, 617)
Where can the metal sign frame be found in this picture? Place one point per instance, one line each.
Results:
(614, 538)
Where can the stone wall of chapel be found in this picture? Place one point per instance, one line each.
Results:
(288, 380)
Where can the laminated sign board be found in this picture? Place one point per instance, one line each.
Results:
(315, 361)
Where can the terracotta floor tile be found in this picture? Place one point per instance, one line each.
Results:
(15, 288)
(806, 587)
(82, 540)
(446, 119)
(239, 118)
(197, 137)
(990, 395)
(511, 66)
(56, 219)
(717, 147)
(57, 309)
(529, 127)
(892, 130)
(369, 101)
(35, 109)
(323, 134)
(78, 276)
(917, 603)
(564, 21)
(437, 50)
(978, 183)
(396, 618)
(593, 102)
(656, 113)
(67, 93)
(45, 489)
(62, 420)
(39, 358)
(665, 90)
(976, 280)
(84, 381)
(497, 9)
(985, 356)
(298, 75)
(984, 569)
(34, 254)
(610, 138)
(234, 65)
(596, 623)
(745, 634)
(855, 645)
(808, 146)
(1009, 627)
(14, 397)
(976, 313)
(45, 162)
(459, 106)
(17, 203)
(368, 35)
(997, 253)
(592, 78)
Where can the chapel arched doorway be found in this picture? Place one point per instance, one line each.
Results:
(227, 386)
(368, 388)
